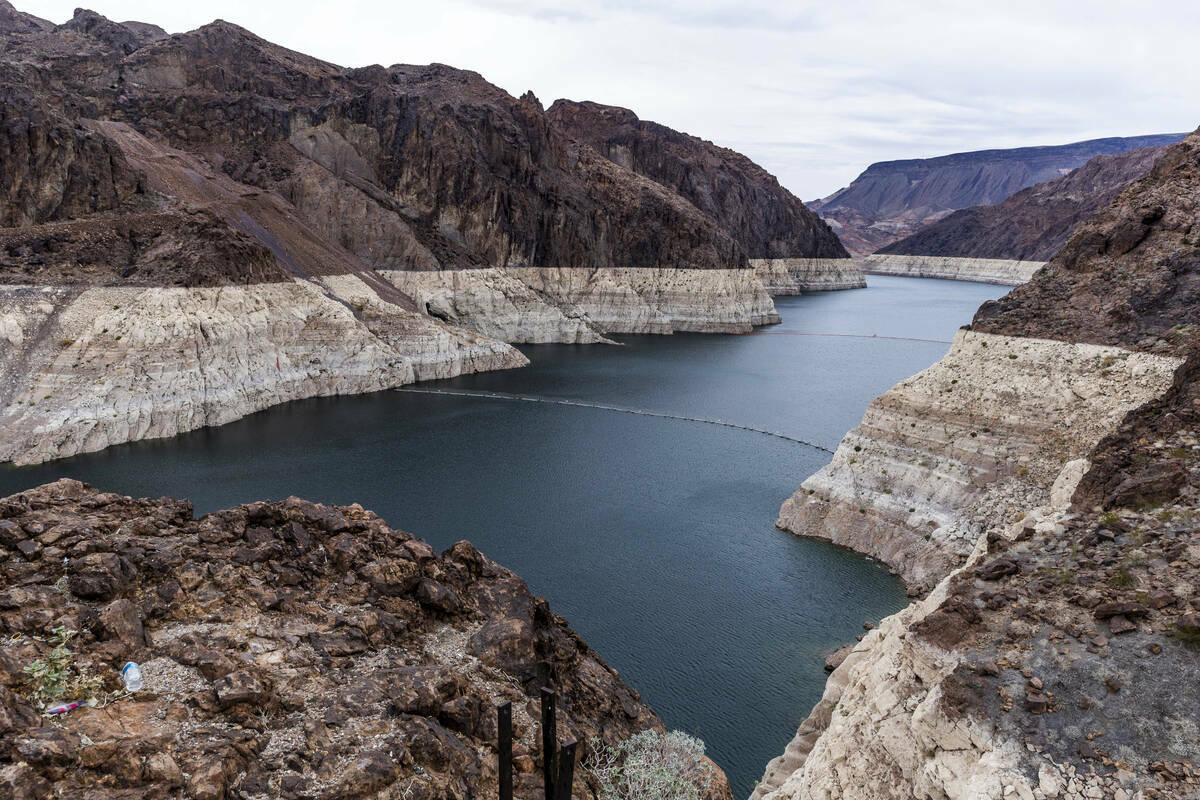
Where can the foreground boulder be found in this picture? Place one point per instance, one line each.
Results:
(288, 650)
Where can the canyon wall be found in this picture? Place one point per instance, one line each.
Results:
(968, 444)
(765, 219)
(1041, 483)
(84, 369)
(580, 306)
(981, 270)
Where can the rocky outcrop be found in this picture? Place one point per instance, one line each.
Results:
(894, 199)
(1059, 662)
(981, 270)
(1034, 223)
(83, 369)
(968, 444)
(1056, 657)
(784, 276)
(1129, 276)
(288, 650)
(766, 220)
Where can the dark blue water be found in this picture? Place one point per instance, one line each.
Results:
(654, 537)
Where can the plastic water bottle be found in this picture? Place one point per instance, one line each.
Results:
(131, 673)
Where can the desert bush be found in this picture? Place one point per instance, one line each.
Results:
(652, 766)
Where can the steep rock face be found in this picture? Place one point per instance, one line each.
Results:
(1059, 660)
(581, 306)
(966, 445)
(657, 301)
(1130, 275)
(893, 199)
(785, 276)
(52, 170)
(1034, 223)
(766, 220)
(980, 270)
(494, 302)
(456, 157)
(83, 369)
(288, 650)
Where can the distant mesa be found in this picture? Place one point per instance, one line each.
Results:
(1034, 223)
(894, 199)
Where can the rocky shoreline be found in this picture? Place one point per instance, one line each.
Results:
(581, 306)
(967, 444)
(790, 276)
(1044, 491)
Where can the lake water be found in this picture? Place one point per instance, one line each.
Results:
(653, 536)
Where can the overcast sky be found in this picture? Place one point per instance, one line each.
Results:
(813, 91)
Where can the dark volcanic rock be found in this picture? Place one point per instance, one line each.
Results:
(463, 170)
(893, 199)
(1034, 223)
(765, 219)
(51, 168)
(339, 170)
(365, 687)
(1129, 276)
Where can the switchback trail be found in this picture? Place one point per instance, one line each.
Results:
(641, 411)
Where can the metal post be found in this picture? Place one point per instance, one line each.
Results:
(504, 718)
(566, 771)
(549, 742)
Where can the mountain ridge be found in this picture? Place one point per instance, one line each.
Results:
(892, 199)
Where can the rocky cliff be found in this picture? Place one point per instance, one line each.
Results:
(1051, 508)
(893, 199)
(766, 220)
(1034, 223)
(197, 226)
(289, 650)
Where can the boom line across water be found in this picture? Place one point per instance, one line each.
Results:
(605, 407)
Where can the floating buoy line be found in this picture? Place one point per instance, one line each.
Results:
(524, 398)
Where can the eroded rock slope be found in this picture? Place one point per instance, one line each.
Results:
(1056, 654)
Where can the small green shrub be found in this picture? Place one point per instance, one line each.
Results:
(59, 676)
(651, 766)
